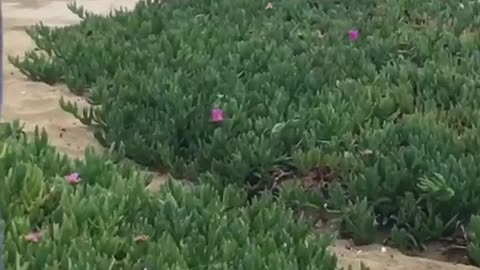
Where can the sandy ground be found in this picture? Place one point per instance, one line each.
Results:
(36, 104)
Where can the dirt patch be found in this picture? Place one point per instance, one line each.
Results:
(378, 257)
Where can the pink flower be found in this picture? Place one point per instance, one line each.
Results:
(217, 115)
(33, 237)
(353, 34)
(269, 5)
(73, 178)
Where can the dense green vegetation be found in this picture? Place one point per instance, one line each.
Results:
(375, 102)
(107, 220)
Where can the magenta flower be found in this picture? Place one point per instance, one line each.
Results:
(33, 237)
(353, 34)
(73, 178)
(217, 115)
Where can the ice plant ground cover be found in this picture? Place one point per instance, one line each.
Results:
(110, 221)
(370, 105)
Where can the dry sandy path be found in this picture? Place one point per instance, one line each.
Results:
(36, 104)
